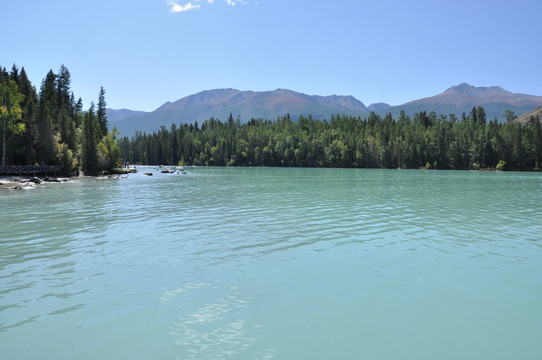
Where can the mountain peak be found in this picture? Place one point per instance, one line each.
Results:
(379, 107)
(461, 87)
(467, 88)
(467, 94)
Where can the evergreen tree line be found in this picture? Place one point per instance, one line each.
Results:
(50, 126)
(421, 141)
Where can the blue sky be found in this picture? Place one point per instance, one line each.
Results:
(147, 52)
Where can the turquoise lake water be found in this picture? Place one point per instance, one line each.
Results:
(272, 263)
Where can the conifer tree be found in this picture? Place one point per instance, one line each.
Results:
(29, 107)
(66, 125)
(101, 113)
(90, 160)
(481, 113)
(47, 118)
(474, 115)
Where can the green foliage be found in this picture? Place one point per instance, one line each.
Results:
(51, 127)
(10, 107)
(66, 159)
(109, 152)
(509, 116)
(10, 112)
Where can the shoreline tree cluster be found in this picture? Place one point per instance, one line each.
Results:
(421, 141)
(50, 126)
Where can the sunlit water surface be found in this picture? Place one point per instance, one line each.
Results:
(269, 263)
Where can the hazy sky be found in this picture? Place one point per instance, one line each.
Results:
(147, 52)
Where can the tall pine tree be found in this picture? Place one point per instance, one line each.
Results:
(66, 124)
(90, 159)
(101, 113)
(47, 118)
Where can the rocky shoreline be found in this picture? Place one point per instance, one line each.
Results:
(25, 183)
(21, 182)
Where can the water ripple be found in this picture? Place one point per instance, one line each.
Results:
(236, 263)
(216, 330)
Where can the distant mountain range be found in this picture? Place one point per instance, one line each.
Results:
(220, 103)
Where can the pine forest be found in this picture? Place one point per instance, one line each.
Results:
(422, 141)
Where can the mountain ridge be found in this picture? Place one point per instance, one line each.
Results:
(271, 98)
(525, 118)
(220, 103)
